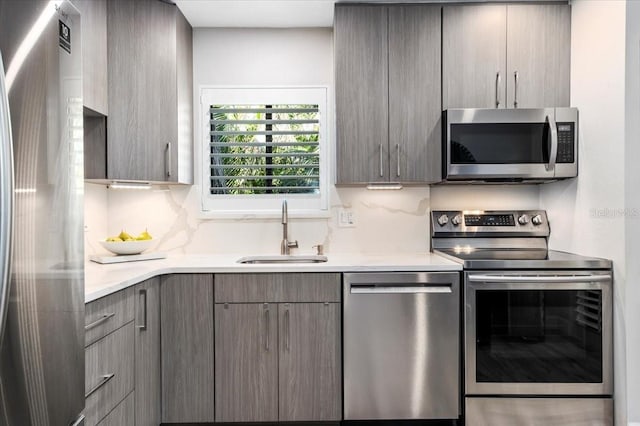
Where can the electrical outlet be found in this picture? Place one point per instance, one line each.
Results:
(346, 218)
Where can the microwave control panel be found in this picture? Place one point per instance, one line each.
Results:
(566, 138)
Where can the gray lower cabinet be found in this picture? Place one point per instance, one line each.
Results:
(186, 317)
(109, 373)
(147, 353)
(278, 347)
(310, 362)
(246, 379)
(149, 133)
(506, 56)
(388, 107)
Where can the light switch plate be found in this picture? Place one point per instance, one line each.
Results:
(346, 218)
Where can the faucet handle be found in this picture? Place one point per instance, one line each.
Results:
(292, 244)
(319, 249)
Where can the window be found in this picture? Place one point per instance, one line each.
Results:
(263, 145)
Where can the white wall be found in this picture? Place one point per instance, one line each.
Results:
(632, 207)
(587, 214)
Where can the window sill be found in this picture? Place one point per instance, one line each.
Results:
(240, 215)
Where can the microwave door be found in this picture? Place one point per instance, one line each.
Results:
(501, 150)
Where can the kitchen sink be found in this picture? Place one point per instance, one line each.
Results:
(283, 259)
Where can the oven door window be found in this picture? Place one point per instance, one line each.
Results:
(537, 336)
(500, 143)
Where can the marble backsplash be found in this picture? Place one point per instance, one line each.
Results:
(385, 221)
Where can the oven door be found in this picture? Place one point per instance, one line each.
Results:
(510, 144)
(538, 333)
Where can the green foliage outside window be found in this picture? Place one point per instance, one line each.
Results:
(245, 160)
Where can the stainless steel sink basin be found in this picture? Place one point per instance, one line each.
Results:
(283, 259)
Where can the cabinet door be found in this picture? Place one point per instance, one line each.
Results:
(147, 358)
(539, 50)
(94, 53)
(142, 89)
(310, 359)
(246, 362)
(361, 74)
(415, 106)
(186, 317)
(474, 53)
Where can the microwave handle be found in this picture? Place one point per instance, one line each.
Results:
(553, 153)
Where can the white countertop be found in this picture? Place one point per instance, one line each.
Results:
(102, 280)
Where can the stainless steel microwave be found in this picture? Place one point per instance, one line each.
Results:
(510, 145)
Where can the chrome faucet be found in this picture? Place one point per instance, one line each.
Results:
(286, 245)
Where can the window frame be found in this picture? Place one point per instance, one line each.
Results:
(264, 205)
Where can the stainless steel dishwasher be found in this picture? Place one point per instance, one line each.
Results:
(401, 346)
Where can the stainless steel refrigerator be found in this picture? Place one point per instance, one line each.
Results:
(41, 214)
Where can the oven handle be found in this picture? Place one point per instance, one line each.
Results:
(539, 279)
(554, 143)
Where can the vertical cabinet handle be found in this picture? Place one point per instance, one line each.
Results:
(381, 161)
(498, 89)
(168, 159)
(266, 326)
(397, 160)
(515, 90)
(143, 297)
(287, 326)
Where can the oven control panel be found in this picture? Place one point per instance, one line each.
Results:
(489, 223)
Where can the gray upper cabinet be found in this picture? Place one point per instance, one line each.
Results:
(94, 53)
(361, 78)
(186, 317)
(415, 108)
(246, 362)
(310, 362)
(388, 93)
(539, 51)
(506, 56)
(150, 92)
(474, 56)
(147, 353)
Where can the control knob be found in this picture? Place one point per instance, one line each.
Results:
(523, 219)
(537, 220)
(456, 220)
(443, 220)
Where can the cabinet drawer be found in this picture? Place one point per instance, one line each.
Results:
(121, 415)
(104, 315)
(109, 372)
(290, 287)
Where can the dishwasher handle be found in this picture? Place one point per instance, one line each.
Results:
(400, 289)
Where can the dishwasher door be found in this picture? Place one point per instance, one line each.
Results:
(401, 346)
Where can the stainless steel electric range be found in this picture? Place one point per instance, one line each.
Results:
(537, 322)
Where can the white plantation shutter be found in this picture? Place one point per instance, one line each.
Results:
(263, 145)
(264, 149)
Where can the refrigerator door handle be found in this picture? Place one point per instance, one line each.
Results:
(6, 199)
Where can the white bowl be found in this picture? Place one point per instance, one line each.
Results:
(127, 247)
